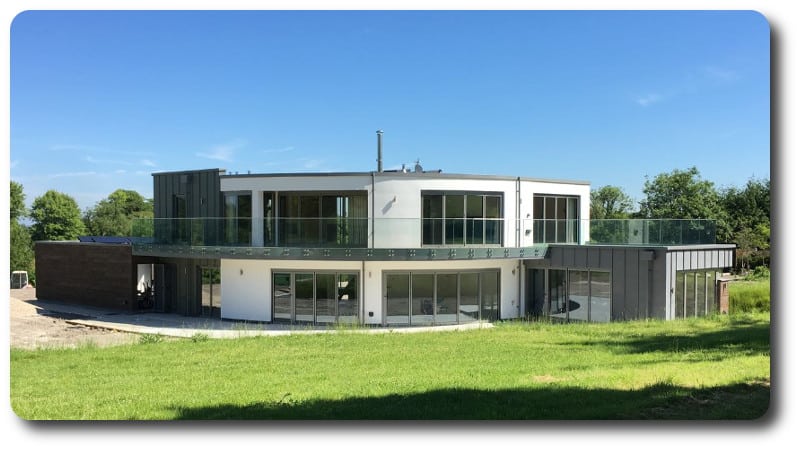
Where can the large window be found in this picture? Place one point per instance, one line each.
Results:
(315, 297)
(581, 295)
(427, 298)
(555, 219)
(453, 218)
(238, 213)
(695, 293)
(328, 220)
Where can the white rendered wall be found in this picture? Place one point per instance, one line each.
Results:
(529, 188)
(397, 200)
(373, 282)
(248, 296)
(247, 284)
(296, 183)
(244, 290)
(398, 206)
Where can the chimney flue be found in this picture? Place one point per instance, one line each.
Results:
(380, 150)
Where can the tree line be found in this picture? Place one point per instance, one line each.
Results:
(55, 216)
(741, 214)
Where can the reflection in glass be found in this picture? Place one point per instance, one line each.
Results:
(600, 305)
(397, 298)
(690, 294)
(557, 305)
(578, 304)
(468, 306)
(422, 305)
(446, 298)
(489, 295)
(680, 295)
(281, 297)
(347, 295)
(326, 298)
(304, 297)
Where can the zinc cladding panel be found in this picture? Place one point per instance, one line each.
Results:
(643, 297)
(593, 258)
(580, 257)
(556, 256)
(631, 284)
(618, 284)
(606, 258)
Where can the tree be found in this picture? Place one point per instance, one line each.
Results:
(610, 202)
(17, 201)
(113, 216)
(681, 194)
(21, 245)
(56, 217)
(747, 213)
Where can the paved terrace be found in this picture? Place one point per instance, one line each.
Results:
(174, 325)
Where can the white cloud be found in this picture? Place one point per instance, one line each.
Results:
(649, 99)
(222, 152)
(148, 163)
(279, 150)
(71, 174)
(716, 73)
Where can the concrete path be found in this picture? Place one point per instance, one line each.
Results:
(182, 326)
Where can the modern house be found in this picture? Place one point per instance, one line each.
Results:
(403, 248)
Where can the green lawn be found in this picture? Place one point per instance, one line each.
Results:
(714, 368)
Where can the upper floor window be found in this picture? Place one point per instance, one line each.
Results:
(555, 218)
(323, 219)
(238, 214)
(454, 218)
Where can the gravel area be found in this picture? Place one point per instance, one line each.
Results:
(32, 327)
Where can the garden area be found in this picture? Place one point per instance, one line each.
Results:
(717, 367)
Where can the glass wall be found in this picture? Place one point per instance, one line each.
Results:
(427, 298)
(282, 297)
(583, 295)
(422, 299)
(398, 288)
(695, 293)
(210, 291)
(455, 218)
(555, 218)
(238, 212)
(326, 220)
(600, 300)
(315, 297)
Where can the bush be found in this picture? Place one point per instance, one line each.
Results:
(150, 338)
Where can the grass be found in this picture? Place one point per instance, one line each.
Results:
(749, 296)
(711, 368)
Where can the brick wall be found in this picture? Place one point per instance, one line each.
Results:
(86, 273)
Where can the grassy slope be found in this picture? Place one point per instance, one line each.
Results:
(714, 368)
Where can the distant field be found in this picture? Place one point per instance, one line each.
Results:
(711, 368)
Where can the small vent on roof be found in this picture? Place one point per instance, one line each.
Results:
(418, 167)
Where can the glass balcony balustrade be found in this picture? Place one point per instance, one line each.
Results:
(342, 232)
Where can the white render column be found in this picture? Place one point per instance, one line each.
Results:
(257, 214)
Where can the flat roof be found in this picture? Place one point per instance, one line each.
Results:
(411, 174)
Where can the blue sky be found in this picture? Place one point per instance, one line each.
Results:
(100, 100)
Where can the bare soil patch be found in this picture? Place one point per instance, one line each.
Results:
(33, 327)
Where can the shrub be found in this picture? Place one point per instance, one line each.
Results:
(150, 338)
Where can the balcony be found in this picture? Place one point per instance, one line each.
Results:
(416, 233)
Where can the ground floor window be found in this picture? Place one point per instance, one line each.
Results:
(695, 293)
(580, 295)
(210, 291)
(315, 297)
(439, 298)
